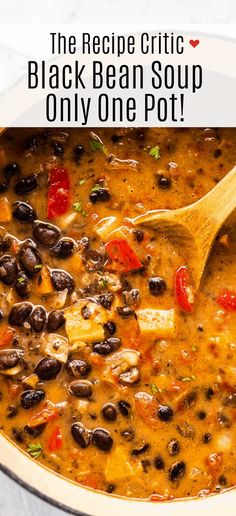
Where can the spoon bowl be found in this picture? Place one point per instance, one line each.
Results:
(195, 227)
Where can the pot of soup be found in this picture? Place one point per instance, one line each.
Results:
(117, 379)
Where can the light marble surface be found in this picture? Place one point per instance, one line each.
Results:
(17, 501)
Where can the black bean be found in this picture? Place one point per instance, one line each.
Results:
(107, 346)
(47, 368)
(78, 152)
(124, 407)
(5, 243)
(222, 480)
(209, 393)
(176, 471)
(8, 269)
(86, 313)
(105, 300)
(38, 319)
(125, 311)
(18, 435)
(30, 258)
(110, 488)
(99, 195)
(139, 235)
(23, 212)
(206, 438)
(64, 248)
(165, 413)
(31, 398)
(157, 286)
(77, 367)
(22, 285)
(128, 435)
(56, 320)
(10, 170)
(142, 449)
(217, 153)
(12, 411)
(62, 280)
(110, 327)
(19, 313)
(3, 187)
(163, 182)
(201, 414)
(46, 234)
(26, 185)
(81, 388)
(57, 149)
(159, 462)
(173, 447)
(8, 358)
(93, 260)
(35, 431)
(80, 434)
(109, 411)
(230, 401)
(130, 377)
(102, 439)
(224, 420)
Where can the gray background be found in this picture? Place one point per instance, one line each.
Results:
(14, 500)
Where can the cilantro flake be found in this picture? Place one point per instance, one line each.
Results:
(155, 152)
(78, 207)
(155, 389)
(35, 450)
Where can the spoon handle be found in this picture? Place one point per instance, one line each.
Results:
(219, 203)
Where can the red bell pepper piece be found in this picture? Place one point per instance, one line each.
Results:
(183, 291)
(227, 300)
(48, 413)
(58, 192)
(55, 440)
(120, 252)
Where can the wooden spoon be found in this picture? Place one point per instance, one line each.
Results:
(195, 227)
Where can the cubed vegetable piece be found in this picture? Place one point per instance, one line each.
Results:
(44, 284)
(85, 329)
(5, 211)
(118, 465)
(157, 323)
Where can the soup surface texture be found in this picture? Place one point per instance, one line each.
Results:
(113, 371)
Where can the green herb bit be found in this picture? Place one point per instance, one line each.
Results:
(78, 207)
(96, 187)
(35, 450)
(155, 152)
(188, 378)
(155, 389)
(20, 280)
(39, 266)
(82, 181)
(97, 144)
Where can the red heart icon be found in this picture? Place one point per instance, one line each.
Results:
(194, 42)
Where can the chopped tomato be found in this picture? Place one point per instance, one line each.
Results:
(227, 300)
(48, 412)
(183, 291)
(214, 463)
(146, 408)
(58, 192)
(92, 480)
(55, 440)
(7, 337)
(13, 389)
(120, 252)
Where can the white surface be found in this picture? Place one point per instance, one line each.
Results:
(16, 501)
